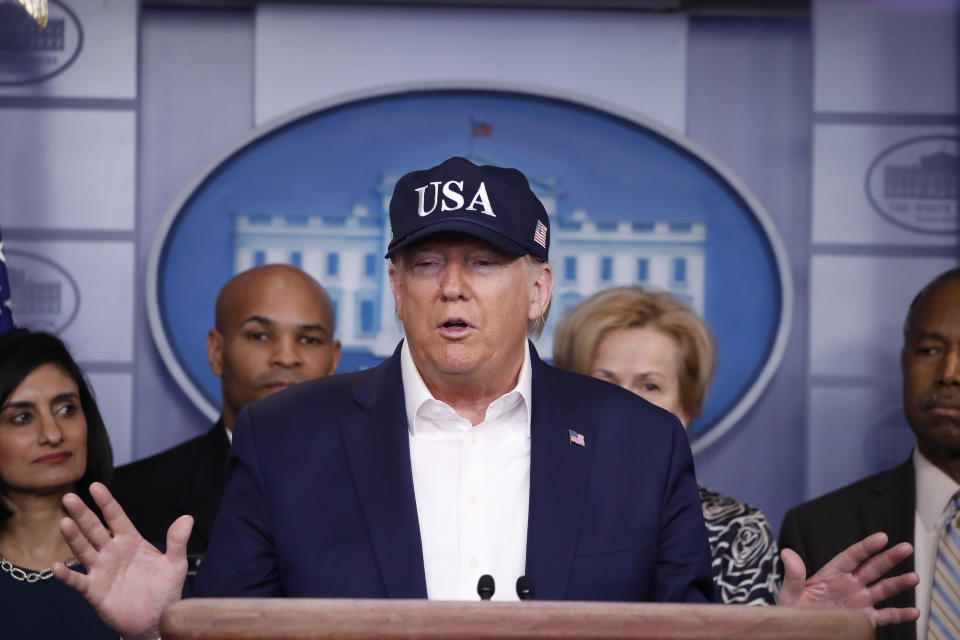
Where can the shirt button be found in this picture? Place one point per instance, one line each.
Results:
(473, 438)
(472, 499)
(474, 563)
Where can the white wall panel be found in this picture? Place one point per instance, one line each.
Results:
(102, 328)
(749, 95)
(885, 56)
(196, 100)
(843, 185)
(309, 53)
(67, 169)
(114, 393)
(858, 304)
(854, 432)
(105, 66)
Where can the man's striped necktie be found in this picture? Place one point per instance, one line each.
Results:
(944, 622)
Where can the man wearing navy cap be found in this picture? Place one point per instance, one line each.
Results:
(461, 455)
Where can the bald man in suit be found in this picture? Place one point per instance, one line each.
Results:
(274, 328)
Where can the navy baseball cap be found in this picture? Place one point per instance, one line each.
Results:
(491, 203)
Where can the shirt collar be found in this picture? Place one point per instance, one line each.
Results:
(416, 394)
(935, 490)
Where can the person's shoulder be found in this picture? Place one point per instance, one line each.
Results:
(745, 554)
(839, 501)
(284, 418)
(627, 421)
(336, 390)
(562, 380)
(719, 501)
(723, 510)
(173, 456)
(602, 397)
(166, 473)
(592, 389)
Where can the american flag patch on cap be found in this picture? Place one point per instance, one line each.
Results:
(577, 438)
(540, 235)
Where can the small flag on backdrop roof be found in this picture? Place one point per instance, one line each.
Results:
(480, 129)
(6, 312)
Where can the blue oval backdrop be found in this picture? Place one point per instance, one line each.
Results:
(630, 203)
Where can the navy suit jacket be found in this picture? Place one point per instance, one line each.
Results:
(188, 478)
(320, 501)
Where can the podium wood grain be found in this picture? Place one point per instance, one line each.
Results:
(332, 619)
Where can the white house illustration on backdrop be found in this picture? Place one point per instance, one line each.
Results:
(344, 251)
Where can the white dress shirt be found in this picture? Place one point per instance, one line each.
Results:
(935, 491)
(472, 487)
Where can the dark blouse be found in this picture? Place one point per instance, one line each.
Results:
(746, 561)
(47, 610)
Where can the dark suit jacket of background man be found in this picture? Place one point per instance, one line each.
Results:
(187, 479)
(820, 529)
(320, 499)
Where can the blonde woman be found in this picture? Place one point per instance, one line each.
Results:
(655, 346)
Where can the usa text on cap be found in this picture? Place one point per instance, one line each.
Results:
(492, 203)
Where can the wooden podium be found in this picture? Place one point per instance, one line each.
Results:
(333, 619)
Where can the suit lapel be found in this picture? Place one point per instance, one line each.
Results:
(558, 483)
(208, 480)
(893, 512)
(378, 454)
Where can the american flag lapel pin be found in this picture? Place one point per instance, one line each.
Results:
(577, 438)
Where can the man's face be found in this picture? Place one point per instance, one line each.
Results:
(930, 361)
(465, 306)
(276, 334)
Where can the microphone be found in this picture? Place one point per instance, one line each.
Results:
(525, 590)
(485, 586)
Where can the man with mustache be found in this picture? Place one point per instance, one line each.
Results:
(274, 328)
(915, 501)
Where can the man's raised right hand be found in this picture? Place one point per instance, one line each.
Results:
(128, 581)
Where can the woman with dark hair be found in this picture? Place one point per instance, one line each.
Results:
(52, 441)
